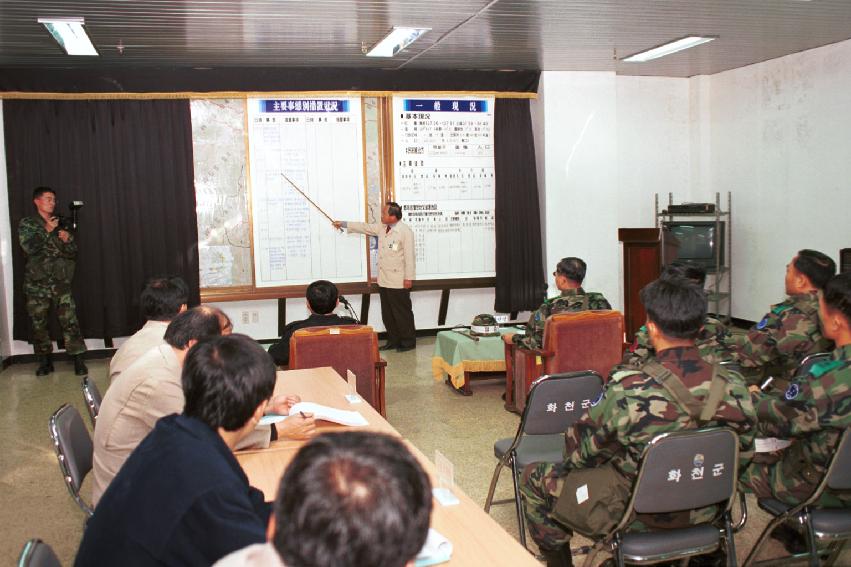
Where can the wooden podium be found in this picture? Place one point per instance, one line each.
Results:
(641, 265)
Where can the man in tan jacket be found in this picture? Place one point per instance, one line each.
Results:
(396, 273)
(151, 388)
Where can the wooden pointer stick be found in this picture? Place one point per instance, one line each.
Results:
(309, 200)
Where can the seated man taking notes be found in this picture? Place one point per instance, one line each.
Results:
(182, 498)
(347, 499)
(151, 388)
(322, 299)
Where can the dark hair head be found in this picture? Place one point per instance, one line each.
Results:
(225, 379)
(194, 324)
(686, 270)
(350, 499)
(163, 297)
(394, 210)
(39, 191)
(676, 306)
(816, 266)
(837, 294)
(572, 268)
(322, 297)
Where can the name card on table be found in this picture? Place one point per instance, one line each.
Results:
(445, 480)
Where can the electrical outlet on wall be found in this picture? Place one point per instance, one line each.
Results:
(245, 318)
(255, 317)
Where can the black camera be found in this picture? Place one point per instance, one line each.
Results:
(70, 223)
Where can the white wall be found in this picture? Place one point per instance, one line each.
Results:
(609, 144)
(5, 252)
(781, 143)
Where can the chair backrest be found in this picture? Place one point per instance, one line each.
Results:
(74, 449)
(687, 470)
(348, 347)
(585, 340)
(557, 401)
(36, 553)
(92, 397)
(839, 473)
(808, 363)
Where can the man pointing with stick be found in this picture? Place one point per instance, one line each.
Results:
(396, 272)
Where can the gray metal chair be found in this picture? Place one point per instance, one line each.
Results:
(819, 525)
(36, 553)
(92, 397)
(554, 403)
(74, 450)
(681, 471)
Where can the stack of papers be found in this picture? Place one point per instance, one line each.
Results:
(437, 549)
(319, 411)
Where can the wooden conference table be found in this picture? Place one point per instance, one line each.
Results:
(477, 539)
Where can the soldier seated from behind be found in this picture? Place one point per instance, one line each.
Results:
(322, 299)
(790, 331)
(569, 274)
(711, 341)
(813, 413)
(661, 396)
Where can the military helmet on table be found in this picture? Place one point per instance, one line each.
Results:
(485, 325)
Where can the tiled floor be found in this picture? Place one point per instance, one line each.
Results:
(35, 502)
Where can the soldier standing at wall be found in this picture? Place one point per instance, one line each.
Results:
(50, 252)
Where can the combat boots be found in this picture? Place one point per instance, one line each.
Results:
(80, 368)
(46, 366)
(561, 557)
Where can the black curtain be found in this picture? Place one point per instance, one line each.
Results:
(131, 163)
(520, 281)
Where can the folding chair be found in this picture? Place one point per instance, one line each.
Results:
(74, 450)
(36, 553)
(680, 472)
(554, 404)
(92, 397)
(820, 525)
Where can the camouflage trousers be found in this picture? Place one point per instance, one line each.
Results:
(780, 481)
(541, 486)
(39, 300)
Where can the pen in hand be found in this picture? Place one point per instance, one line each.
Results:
(301, 413)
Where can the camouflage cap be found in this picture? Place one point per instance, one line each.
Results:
(485, 325)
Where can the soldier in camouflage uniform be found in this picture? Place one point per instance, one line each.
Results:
(711, 341)
(569, 274)
(790, 331)
(813, 413)
(50, 253)
(636, 406)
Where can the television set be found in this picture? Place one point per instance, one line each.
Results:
(696, 242)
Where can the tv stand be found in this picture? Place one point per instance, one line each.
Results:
(719, 285)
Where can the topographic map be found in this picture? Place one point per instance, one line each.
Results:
(221, 195)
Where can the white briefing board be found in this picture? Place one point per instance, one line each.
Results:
(318, 144)
(443, 156)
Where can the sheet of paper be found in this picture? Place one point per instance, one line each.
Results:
(319, 411)
(437, 549)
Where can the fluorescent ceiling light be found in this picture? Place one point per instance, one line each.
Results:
(398, 39)
(669, 48)
(70, 34)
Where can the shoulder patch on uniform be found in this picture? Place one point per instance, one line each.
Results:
(792, 391)
(599, 398)
(780, 308)
(761, 325)
(819, 369)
